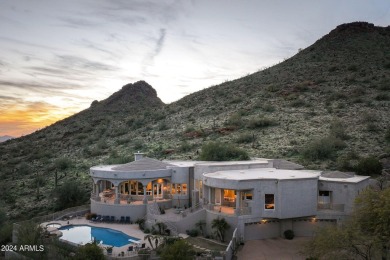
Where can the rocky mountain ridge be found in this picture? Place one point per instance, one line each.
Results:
(332, 96)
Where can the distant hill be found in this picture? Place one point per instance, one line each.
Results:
(325, 107)
(5, 138)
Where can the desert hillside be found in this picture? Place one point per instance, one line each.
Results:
(325, 107)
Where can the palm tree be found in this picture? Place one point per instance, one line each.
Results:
(200, 224)
(154, 238)
(220, 225)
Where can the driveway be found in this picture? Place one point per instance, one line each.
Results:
(273, 249)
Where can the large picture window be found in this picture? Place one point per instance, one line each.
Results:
(179, 188)
(269, 201)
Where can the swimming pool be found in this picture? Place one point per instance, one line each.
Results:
(85, 234)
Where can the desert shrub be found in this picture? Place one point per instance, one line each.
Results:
(102, 144)
(369, 166)
(245, 138)
(234, 120)
(337, 130)
(24, 169)
(138, 123)
(119, 159)
(288, 234)
(63, 163)
(298, 103)
(353, 67)
(323, 148)
(162, 126)
(260, 122)
(268, 108)
(185, 147)
(216, 151)
(192, 232)
(70, 194)
(189, 129)
(138, 144)
(387, 135)
(382, 97)
(141, 223)
(90, 251)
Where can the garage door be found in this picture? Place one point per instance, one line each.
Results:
(306, 228)
(262, 231)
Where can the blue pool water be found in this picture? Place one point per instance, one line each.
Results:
(85, 234)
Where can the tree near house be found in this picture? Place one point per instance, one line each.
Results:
(366, 234)
(200, 225)
(220, 226)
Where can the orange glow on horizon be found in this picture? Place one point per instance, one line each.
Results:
(18, 120)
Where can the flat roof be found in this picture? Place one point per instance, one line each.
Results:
(354, 179)
(216, 163)
(263, 173)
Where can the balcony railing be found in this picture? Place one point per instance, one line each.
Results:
(229, 210)
(330, 206)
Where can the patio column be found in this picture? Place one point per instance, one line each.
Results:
(117, 199)
(238, 198)
(145, 198)
(209, 195)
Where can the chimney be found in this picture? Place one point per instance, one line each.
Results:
(138, 156)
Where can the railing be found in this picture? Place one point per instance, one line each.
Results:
(233, 245)
(330, 206)
(229, 210)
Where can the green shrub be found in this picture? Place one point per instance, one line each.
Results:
(63, 163)
(192, 232)
(185, 147)
(141, 223)
(337, 130)
(298, 103)
(234, 120)
(288, 234)
(70, 194)
(215, 151)
(382, 97)
(260, 122)
(245, 138)
(387, 135)
(323, 148)
(369, 166)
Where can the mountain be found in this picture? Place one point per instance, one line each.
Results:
(325, 107)
(5, 138)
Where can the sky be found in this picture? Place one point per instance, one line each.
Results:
(56, 56)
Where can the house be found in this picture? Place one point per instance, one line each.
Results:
(261, 197)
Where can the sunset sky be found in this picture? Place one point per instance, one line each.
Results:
(57, 56)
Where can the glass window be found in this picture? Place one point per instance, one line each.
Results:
(248, 195)
(179, 188)
(269, 201)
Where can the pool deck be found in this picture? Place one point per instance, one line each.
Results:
(129, 229)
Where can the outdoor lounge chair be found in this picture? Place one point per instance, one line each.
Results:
(112, 219)
(122, 220)
(127, 220)
(130, 250)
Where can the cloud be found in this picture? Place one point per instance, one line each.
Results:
(73, 22)
(149, 58)
(23, 119)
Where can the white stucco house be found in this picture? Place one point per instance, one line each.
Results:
(261, 198)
